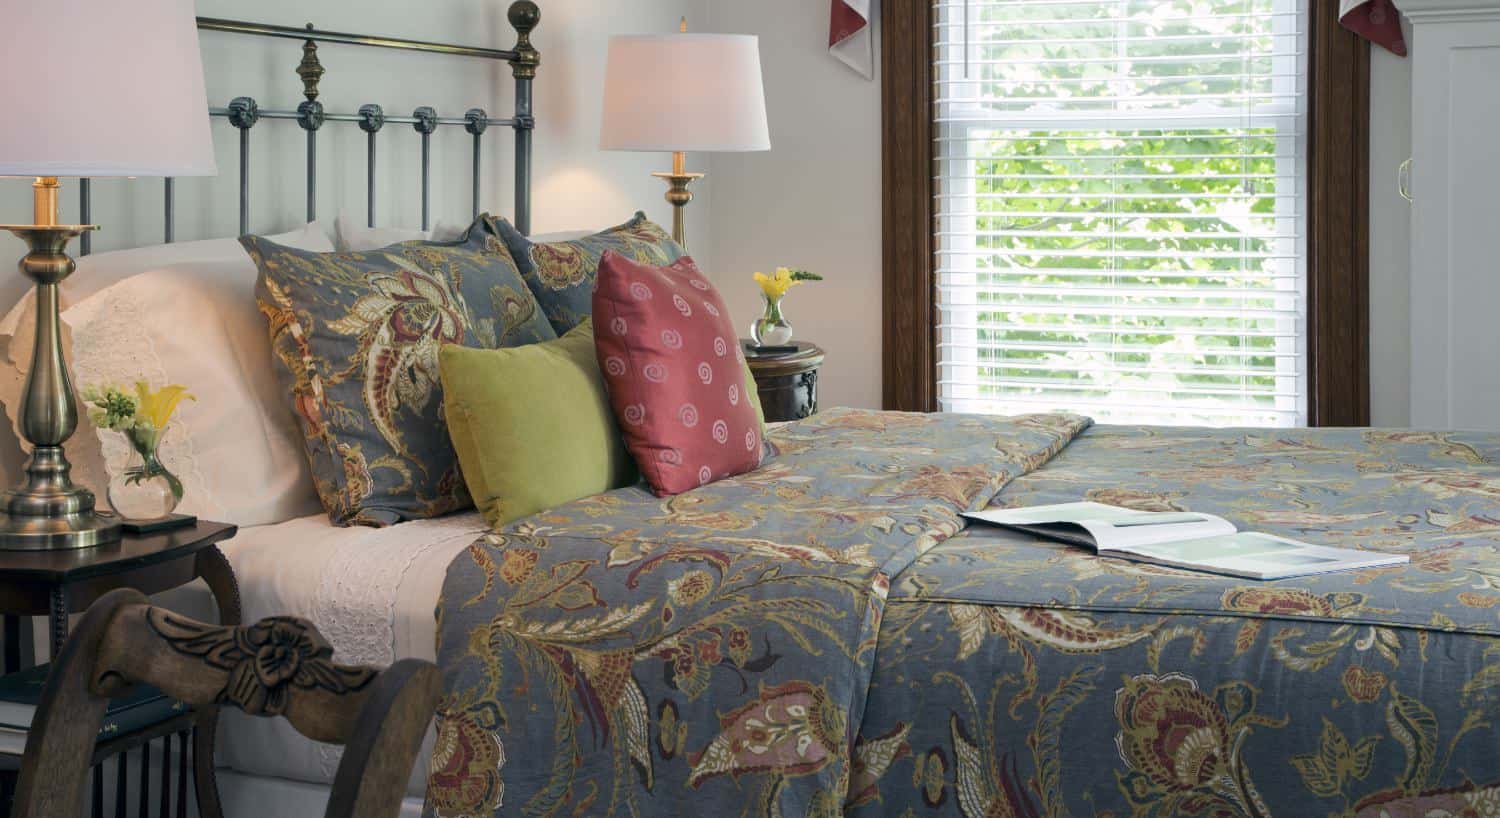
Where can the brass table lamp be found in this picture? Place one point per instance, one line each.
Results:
(684, 92)
(47, 510)
(144, 52)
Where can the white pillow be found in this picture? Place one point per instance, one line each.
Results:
(100, 270)
(95, 273)
(354, 237)
(561, 235)
(237, 450)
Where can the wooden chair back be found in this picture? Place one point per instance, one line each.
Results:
(276, 667)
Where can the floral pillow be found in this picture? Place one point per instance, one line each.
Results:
(561, 274)
(355, 340)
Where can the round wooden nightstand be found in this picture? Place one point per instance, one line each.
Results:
(787, 381)
(56, 584)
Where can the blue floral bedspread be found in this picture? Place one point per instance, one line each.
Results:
(824, 636)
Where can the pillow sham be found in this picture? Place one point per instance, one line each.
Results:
(99, 270)
(532, 425)
(352, 235)
(561, 274)
(221, 259)
(676, 373)
(236, 449)
(560, 235)
(355, 237)
(355, 339)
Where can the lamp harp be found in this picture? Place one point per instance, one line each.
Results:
(47, 511)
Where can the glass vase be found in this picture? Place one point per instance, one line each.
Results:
(146, 490)
(771, 329)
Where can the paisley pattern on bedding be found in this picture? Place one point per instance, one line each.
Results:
(561, 274)
(823, 637)
(355, 340)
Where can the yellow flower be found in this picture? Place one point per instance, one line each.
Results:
(157, 407)
(775, 286)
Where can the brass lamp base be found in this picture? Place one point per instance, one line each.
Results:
(59, 533)
(678, 194)
(55, 516)
(47, 511)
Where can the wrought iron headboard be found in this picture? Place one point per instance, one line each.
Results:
(243, 113)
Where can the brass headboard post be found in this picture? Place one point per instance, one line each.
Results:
(310, 117)
(244, 113)
(310, 69)
(523, 17)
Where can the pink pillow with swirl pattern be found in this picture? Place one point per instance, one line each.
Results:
(675, 373)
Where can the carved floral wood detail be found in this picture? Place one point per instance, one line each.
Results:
(264, 661)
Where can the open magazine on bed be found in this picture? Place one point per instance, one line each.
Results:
(1182, 539)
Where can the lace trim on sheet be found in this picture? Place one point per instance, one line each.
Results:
(355, 605)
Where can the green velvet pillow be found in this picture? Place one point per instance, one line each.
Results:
(753, 394)
(532, 425)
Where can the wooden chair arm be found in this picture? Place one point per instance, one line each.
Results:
(279, 666)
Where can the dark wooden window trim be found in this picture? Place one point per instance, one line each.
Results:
(1337, 215)
(1338, 222)
(908, 305)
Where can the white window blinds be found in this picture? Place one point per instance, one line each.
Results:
(1119, 209)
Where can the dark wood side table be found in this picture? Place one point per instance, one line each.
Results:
(787, 381)
(56, 584)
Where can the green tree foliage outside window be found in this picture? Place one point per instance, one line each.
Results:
(1136, 255)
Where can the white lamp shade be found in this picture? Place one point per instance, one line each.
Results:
(684, 92)
(112, 88)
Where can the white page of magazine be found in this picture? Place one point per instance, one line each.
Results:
(1113, 527)
(1261, 556)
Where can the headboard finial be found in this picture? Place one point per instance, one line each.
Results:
(310, 114)
(524, 17)
(243, 113)
(476, 120)
(426, 119)
(310, 69)
(371, 118)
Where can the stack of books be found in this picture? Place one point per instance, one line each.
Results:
(21, 693)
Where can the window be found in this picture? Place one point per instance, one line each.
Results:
(1119, 209)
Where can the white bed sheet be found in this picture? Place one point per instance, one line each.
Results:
(371, 592)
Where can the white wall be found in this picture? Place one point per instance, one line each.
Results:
(575, 184)
(812, 201)
(1390, 240)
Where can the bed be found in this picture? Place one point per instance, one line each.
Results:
(944, 670)
(890, 659)
(824, 635)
